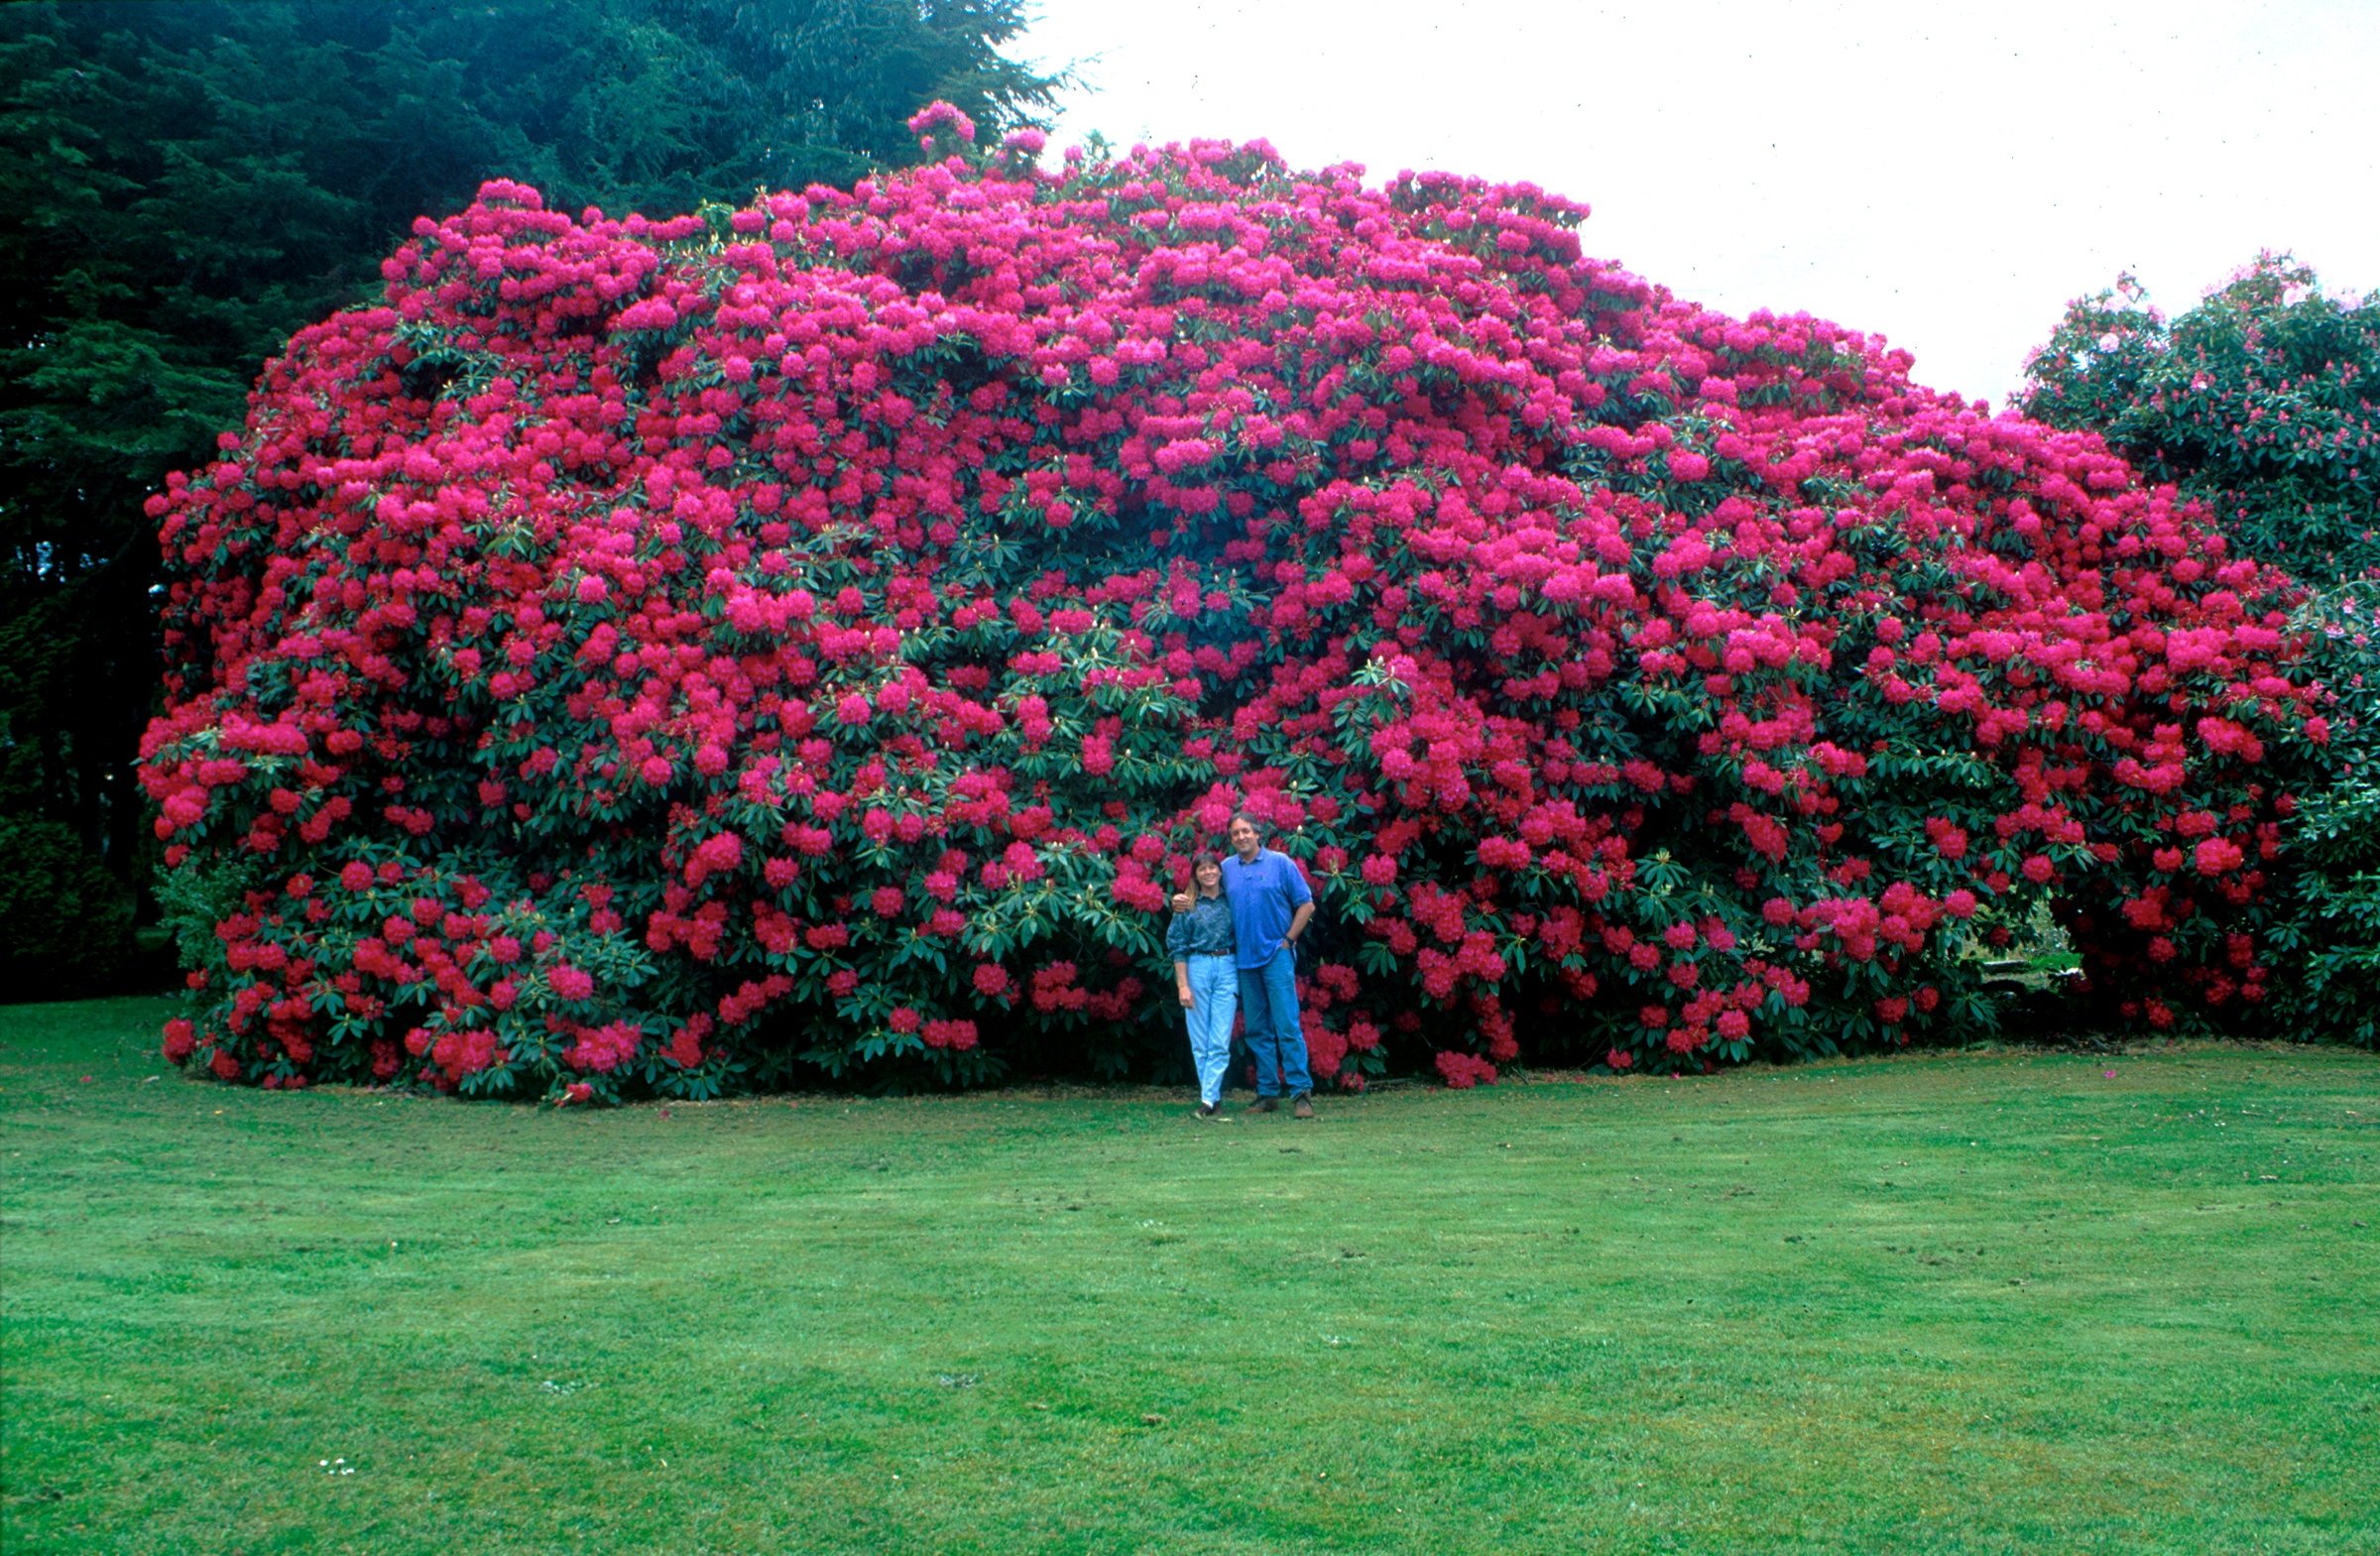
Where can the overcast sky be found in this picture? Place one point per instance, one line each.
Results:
(1946, 174)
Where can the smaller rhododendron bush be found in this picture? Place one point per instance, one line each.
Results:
(2259, 401)
(813, 638)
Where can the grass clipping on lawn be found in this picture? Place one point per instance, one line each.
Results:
(1991, 1301)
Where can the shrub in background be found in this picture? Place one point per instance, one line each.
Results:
(64, 923)
(2326, 924)
(813, 638)
(2259, 401)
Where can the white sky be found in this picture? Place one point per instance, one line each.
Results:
(1947, 174)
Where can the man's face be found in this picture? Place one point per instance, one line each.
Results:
(1243, 839)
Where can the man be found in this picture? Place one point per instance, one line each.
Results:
(1271, 906)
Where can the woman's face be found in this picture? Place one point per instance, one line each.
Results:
(1209, 878)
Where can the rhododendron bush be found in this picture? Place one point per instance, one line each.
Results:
(674, 656)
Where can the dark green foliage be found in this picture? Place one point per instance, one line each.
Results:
(182, 186)
(66, 927)
(2332, 926)
(2260, 401)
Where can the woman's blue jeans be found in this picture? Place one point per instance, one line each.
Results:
(1268, 996)
(1214, 1002)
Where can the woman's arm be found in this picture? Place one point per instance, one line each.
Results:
(1181, 986)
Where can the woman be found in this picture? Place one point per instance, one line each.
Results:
(1206, 979)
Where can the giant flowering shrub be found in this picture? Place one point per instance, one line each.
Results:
(667, 655)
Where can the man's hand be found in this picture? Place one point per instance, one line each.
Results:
(1181, 902)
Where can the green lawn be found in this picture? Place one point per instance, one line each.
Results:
(1991, 1301)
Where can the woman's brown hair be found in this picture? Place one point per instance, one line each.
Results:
(1200, 860)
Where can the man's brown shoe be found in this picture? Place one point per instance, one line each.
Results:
(1268, 1105)
(1302, 1107)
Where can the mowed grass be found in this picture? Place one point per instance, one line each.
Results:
(1990, 1301)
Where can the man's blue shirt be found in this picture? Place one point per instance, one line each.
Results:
(1264, 894)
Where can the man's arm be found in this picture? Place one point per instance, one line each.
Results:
(1301, 899)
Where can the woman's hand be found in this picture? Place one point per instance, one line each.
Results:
(1188, 998)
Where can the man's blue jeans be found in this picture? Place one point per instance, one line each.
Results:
(1215, 999)
(1268, 998)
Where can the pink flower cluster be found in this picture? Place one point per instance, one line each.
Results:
(1462, 1071)
(820, 636)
